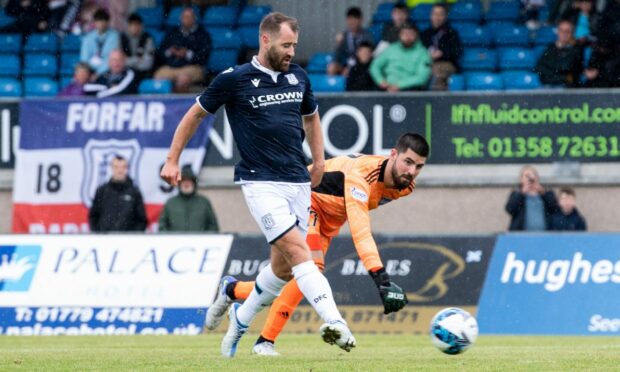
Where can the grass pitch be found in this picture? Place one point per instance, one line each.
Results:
(306, 353)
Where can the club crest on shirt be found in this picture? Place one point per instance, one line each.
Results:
(292, 79)
(268, 221)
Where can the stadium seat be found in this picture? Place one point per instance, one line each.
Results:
(483, 81)
(68, 62)
(5, 20)
(174, 16)
(38, 64)
(40, 87)
(220, 16)
(10, 65)
(456, 83)
(511, 35)
(520, 80)
(383, 13)
(538, 51)
(318, 63)
(423, 25)
(503, 11)
(71, 43)
(326, 83)
(516, 59)
(465, 11)
(10, 43)
(249, 36)
(225, 39)
(421, 13)
(473, 35)
(376, 29)
(221, 59)
(251, 15)
(152, 86)
(479, 59)
(41, 43)
(10, 87)
(152, 16)
(545, 36)
(64, 81)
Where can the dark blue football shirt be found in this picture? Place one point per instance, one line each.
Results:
(264, 109)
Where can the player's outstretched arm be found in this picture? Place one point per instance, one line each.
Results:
(186, 129)
(312, 126)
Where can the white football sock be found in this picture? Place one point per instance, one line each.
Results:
(317, 291)
(268, 286)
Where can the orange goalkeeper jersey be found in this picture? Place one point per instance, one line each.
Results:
(352, 186)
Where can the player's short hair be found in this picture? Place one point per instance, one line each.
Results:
(354, 12)
(568, 191)
(413, 141)
(272, 23)
(101, 15)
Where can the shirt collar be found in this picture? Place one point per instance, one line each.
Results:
(258, 66)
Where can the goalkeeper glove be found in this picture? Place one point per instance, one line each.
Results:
(393, 297)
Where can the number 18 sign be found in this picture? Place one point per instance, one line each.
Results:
(65, 151)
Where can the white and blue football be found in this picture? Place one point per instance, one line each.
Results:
(453, 330)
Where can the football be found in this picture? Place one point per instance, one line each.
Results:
(453, 330)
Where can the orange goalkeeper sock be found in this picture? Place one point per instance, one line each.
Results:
(281, 311)
(241, 290)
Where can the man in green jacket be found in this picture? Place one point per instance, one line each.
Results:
(404, 65)
(188, 211)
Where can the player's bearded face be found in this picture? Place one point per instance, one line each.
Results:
(406, 167)
(401, 178)
(279, 61)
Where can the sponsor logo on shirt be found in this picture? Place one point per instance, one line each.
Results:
(276, 99)
(359, 194)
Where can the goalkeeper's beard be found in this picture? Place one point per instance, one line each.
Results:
(400, 181)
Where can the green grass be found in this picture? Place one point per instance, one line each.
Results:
(306, 353)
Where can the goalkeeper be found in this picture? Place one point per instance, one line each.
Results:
(351, 187)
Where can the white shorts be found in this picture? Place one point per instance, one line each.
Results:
(278, 207)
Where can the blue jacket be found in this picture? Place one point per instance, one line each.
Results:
(573, 221)
(95, 45)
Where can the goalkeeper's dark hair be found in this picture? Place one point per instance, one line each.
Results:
(413, 141)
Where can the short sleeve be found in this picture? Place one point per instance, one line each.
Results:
(218, 93)
(308, 105)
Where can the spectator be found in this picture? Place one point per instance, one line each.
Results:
(405, 65)
(31, 16)
(359, 74)
(444, 45)
(119, 80)
(561, 63)
(607, 27)
(63, 14)
(138, 46)
(188, 211)
(568, 217)
(99, 43)
(184, 52)
(400, 14)
(531, 205)
(583, 16)
(118, 204)
(603, 70)
(81, 76)
(348, 41)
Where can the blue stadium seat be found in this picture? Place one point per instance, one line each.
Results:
(251, 15)
(152, 16)
(5, 20)
(503, 11)
(423, 25)
(511, 35)
(41, 43)
(383, 13)
(10, 87)
(483, 81)
(152, 86)
(473, 35)
(376, 29)
(221, 59)
(421, 13)
(220, 16)
(318, 63)
(64, 81)
(249, 36)
(326, 83)
(68, 62)
(545, 36)
(71, 43)
(10, 65)
(225, 39)
(10, 43)
(516, 59)
(465, 11)
(174, 16)
(521, 80)
(40, 87)
(456, 83)
(479, 59)
(39, 64)
(538, 51)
